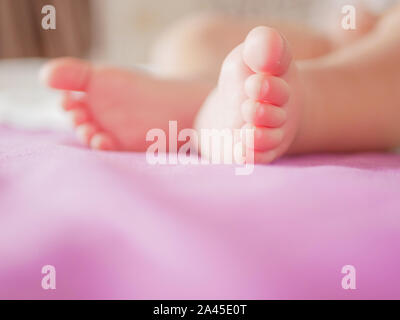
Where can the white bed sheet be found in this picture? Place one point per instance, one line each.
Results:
(24, 101)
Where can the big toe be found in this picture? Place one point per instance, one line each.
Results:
(66, 74)
(266, 51)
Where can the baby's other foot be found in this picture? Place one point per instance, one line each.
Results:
(259, 88)
(116, 108)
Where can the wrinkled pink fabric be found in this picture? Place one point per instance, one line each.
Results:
(115, 227)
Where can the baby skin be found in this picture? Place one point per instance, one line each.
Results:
(259, 88)
(116, 107)
(344, 101)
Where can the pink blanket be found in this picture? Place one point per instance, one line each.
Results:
(115, 227)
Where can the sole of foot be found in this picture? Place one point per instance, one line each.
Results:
(114, 109)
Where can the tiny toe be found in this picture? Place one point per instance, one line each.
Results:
(265, 157)
(264, 115)
(267, 89)
(79, 116)
(265, 50)
(85, 132)
(269, 116)
(102, 141)
(266, 138)
(66, 74)
(72, 101)
(252, 156)
(263, 139)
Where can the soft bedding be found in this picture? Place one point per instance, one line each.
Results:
(114, 226)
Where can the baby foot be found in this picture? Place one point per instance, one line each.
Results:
(116, 108)
(259, 89)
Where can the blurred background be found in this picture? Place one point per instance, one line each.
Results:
(119, 32)
(123, 31)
